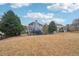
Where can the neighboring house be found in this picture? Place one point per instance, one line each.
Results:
(35, 27)
(59, 26)
(65, 29)
(2, 35)
(74, 26)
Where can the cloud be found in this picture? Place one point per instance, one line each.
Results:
(39, 15)
(2, 3)
(59, 20)
(43, 18)
(19, 5)
(64, 7)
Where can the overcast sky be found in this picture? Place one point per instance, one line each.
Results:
(63, 13)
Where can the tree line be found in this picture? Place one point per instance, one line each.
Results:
(10, 24)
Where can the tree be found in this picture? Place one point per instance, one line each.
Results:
(68, 27)
(45, 29)
(25, 30)
(52, 27)
(10, 24)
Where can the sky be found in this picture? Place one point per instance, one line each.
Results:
(44, 13)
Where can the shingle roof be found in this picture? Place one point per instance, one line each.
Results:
(34, 23)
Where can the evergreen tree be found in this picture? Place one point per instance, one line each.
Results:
(10, 24)
(52, 27)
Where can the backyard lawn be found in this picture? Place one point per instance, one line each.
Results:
(55, 44)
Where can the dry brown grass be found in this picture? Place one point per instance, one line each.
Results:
(56, 44)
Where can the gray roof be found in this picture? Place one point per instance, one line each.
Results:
(34, 23)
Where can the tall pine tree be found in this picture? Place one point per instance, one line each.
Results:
(52, 27)
(10, 24)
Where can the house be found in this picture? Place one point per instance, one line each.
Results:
(35, 27)
(59, 26)
(74, 26)
(2, 35)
